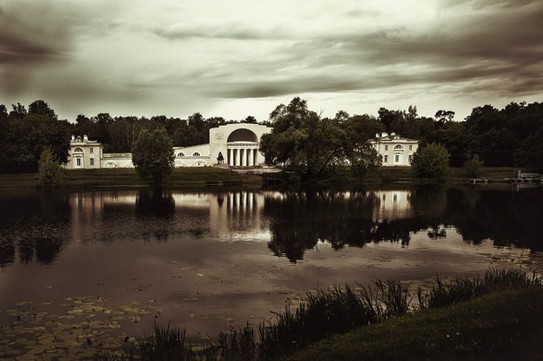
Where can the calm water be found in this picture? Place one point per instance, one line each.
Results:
(102, 265)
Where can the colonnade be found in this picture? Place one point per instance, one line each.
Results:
(242, 155)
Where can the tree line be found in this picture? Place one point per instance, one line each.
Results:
(303, 139)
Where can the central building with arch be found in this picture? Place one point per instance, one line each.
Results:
(237, 144)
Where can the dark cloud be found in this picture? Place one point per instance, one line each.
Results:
(501, 48)
(31, 36)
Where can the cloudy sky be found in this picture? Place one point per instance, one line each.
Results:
(237, 58)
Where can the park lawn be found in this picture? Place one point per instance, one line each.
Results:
(101, 178)
(506, 325)
(212, 177)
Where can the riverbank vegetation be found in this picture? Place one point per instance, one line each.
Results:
(305, 141)
(495, 314)
(210, 177)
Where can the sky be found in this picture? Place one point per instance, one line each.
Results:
(238, 58)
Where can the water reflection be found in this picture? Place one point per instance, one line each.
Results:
(33, 227)
(301, 220)
(36, 227)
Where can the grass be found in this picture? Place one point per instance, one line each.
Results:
(464, 317)
(215, 177)
(504, 325)
(100, 178)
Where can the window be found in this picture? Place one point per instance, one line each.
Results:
(78, 162)
(386, 147)
(78, 150)
(398, 148)
(180, 154)
(92, 161)
(91, 150)
(386, 159)
(195, 154)
(410, 147)
(397, 158)
(410, 159)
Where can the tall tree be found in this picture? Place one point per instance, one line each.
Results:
(302, 141)
(152, 154)
(42, 108)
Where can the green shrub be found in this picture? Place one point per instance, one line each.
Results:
(430, 161)
(49, 170)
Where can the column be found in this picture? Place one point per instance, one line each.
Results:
(237, 162)
(242, 158)
(230, 157)
(250, 157)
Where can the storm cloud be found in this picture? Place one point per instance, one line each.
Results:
(243, 58)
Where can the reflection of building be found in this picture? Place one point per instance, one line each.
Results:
(225, 216)
(235, 145)
(392, 205)
(394, 150)
(235, 213)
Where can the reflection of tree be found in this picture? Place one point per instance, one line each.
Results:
(47, 214)
(7, 253)
(508, 218)
(153, 203)
(300, 220)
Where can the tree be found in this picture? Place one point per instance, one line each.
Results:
(444, 116)
(473, 166)
(42, 108)
(152, 154)
(49, 169)
(302, 141)
(430, 161)
(363, 158)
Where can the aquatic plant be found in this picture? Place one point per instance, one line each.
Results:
(320, 315)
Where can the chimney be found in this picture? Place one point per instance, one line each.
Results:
(377, 135)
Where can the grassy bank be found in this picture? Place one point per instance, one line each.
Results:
(100, 178)
(505, 325)
(498, 313)
(215, 177)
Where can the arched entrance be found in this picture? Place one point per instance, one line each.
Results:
(242, 148)
(398, 154)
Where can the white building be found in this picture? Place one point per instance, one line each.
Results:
(235, 145)
(394, 150)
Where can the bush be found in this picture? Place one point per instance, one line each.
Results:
(473, 166)
(430, 161)
(49, 170)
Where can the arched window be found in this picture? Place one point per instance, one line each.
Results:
(180, 154)
(398, 148)
(78, 150)
(195, 154)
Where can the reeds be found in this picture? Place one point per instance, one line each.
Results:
(464, 289)
(320, 315)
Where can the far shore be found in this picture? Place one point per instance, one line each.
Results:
(210, 178)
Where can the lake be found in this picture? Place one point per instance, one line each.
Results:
(91, 268)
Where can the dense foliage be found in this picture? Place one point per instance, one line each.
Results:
(152, 154)
(49, 169)
(430, 161)
(301, 139)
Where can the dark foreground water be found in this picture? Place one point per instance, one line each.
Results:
(81, 271)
